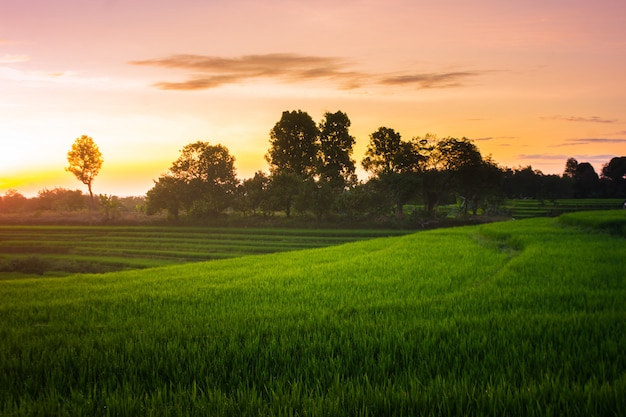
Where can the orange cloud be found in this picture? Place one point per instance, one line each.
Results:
(211, 72)
(12, 59)
(432, 80)
(592, 119)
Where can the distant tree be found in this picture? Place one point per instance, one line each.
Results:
(336, 165)
(615, 170)
(585, 181)
(109, 206)
(166, 194)
(395, 163)
(13, 202)
(253, 192)
(294, 145)
(450, 166)
(202, 181)
(570, 167)
(60, 199)
(283, 190)
(85, 161)
(382, 152)
(522, 182)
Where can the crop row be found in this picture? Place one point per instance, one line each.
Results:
(38, 249)
(536, 208)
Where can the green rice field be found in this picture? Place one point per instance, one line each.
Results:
(523, 317)
(61, 250)
(522, 209)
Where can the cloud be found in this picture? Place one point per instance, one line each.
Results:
(495, 138)
(432, 80)
(579, 157)
(12, 59)
(211, 71)
(587, 141)
(592, 119)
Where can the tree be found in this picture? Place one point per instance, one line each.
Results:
(448, 166)
(253, 192)
(60, 199)
(570, 168)
(294, 145)
(208, 172)
(395, 163)
(615, 172)
(85, 161)
(382, 151)
(283, 189)
(336, 165)
(13, 202)
(585, 180)
(202, 181)
(165, 195)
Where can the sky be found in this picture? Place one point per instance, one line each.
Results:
(532, 82)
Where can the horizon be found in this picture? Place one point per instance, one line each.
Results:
(530, 84)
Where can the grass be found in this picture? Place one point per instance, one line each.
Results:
(522, 209)
(515, 318)
(61, 250)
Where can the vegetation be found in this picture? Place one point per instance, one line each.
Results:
(85, 161)
(312, 177)
(514, 318)
(56, 250)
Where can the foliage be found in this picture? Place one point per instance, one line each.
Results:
(336, 166)
(294, 145)
(85, 161)
(513, 318)
(13, 202)
(202, 181)
(60, 199)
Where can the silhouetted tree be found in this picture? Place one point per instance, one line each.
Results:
(166, 194)
(335, 162)
(394, 163)
(294, 145)
(85, 161)
(283, 189)
(585, 181)
(615, 170)
(450, 166)
(202, 181)
(253, 192)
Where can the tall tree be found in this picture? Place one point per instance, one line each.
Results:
(294, 145)
(85, 161)
(336, 163)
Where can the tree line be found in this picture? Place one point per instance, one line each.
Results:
(311, 172)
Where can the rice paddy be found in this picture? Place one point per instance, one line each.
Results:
(515, 318)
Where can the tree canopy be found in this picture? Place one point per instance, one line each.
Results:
(85, 161)
(294, 145)
(202, 181)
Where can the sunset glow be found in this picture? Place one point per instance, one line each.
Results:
(533, 83)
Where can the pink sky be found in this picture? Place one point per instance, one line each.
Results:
(532, 82)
